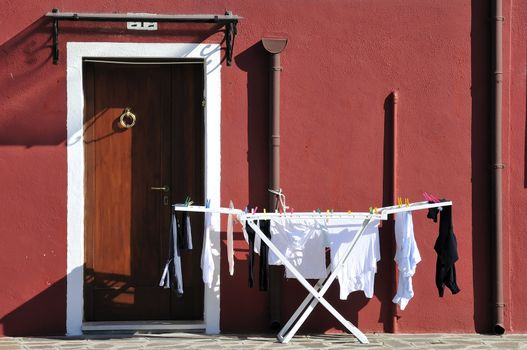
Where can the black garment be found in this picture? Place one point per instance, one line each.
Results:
(265, 226)
(250, 236)
(264, 250)
(446, 249)
(179, 239)
(185, 232)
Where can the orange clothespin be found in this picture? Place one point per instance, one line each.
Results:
(375, 210)
(399, 202)
(407, 202)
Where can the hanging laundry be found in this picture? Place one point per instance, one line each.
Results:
(446, 249)
(207, 261)
(230, 241)
(358, 271)
(185, 239)
(302, 242)
(406, 256)
(262, 250)
(172, 276)
(250, 236)
(265, 226)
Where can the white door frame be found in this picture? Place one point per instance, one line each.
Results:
(76, 51)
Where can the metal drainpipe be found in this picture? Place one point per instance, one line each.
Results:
(497, 166)
(395, 100)
(274, 46)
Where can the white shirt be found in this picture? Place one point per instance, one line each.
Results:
(358, 271)
(230, 243)
(407, 257)
(302, 242)
(207, 262)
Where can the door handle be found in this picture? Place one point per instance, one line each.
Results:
(164, 188)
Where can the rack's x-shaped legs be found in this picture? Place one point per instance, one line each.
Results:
(316, 293)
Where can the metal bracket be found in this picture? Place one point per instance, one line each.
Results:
(229, 20)
(55, 38)
(230, 33)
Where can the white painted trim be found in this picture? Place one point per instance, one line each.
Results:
(76, 51)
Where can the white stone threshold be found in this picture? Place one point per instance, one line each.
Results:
(152, 326)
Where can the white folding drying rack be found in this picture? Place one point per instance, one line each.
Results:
(316, 292)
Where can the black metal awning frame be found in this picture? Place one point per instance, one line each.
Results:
(228, 20)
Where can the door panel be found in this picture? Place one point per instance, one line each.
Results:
(187, 99)
(126, 222)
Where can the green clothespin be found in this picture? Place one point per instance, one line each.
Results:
(188, 201)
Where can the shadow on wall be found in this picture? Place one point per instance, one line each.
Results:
(44, 314)
(386, 267)
(525, 151)
(31, 89)
(480, 154)
(253, 61)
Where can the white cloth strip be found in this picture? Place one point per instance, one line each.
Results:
(230, 241)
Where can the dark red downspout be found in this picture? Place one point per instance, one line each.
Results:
(395, 101)
(274, 46)
(497, 170)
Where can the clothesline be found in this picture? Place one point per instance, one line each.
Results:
(382, 212)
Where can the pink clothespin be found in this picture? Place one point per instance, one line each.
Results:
(430, 198)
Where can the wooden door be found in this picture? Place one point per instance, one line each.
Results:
(127, 220)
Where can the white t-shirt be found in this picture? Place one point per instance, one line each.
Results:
(358, 271)
(302, 242)
(207, 261)
(407, 257)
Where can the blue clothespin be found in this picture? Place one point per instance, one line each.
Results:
(207, 203)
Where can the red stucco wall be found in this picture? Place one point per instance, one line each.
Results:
(343, 60)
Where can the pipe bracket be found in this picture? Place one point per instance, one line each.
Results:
(498, 166)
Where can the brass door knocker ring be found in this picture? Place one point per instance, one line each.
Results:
(127, 119)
